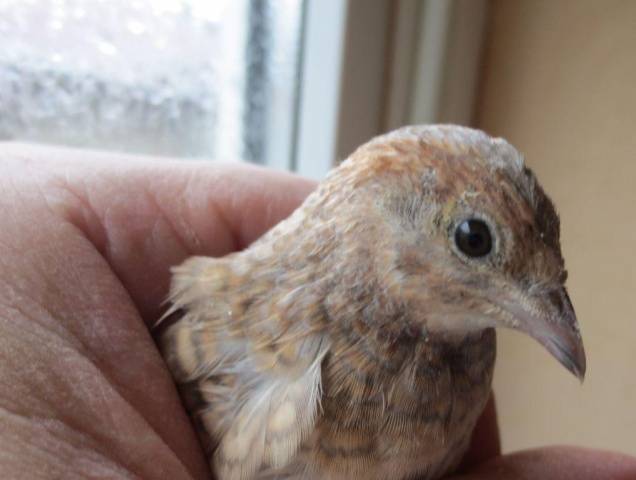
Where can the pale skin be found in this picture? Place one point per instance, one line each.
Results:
(86, 243)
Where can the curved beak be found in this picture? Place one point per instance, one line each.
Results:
(561, 335)
(550, 319)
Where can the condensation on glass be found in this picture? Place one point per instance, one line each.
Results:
(193, 78)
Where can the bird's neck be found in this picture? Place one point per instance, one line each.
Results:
(372, 334)
(405, 371)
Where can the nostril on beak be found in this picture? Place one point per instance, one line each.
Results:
(558, 299)
(566, 296)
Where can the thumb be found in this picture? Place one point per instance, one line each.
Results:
(146, 214)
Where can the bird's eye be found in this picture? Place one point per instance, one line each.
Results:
(473, 238)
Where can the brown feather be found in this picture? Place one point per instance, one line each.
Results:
(353, 340)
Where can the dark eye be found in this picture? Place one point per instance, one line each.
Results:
(473, 238)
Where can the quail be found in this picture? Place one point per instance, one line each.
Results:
(356, 338)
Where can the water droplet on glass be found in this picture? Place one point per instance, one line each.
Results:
(135, 27)
(106, 48)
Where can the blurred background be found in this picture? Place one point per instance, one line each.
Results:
(297, 84)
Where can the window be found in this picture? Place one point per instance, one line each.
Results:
(293, 84)
(193, 78)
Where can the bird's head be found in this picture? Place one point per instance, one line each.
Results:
(459, 231)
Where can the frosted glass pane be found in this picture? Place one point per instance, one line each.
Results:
(195, 78)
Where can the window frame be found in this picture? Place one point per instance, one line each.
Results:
(426, 70)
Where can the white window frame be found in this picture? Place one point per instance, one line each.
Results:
(369, 66)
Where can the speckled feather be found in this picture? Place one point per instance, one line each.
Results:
(353, 340)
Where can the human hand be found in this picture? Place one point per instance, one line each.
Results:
(85, 250)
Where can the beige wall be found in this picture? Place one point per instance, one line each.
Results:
(559, 82)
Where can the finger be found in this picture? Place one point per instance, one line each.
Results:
(82, 387)
(146, 214)
(556, 463)
(485, 443)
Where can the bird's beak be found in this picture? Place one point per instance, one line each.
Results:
(550, 319)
